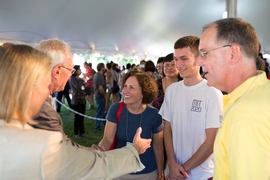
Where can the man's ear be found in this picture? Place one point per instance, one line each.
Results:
(235, 54)
(56, 71)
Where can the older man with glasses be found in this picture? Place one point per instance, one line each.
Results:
(73, 70)
(62, 69)
(242, 145)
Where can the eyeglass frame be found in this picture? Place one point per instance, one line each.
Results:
(166, 66)
(72, 71)
(159, 67)
(203, 54)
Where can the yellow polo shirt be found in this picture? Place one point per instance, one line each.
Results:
(242, 145)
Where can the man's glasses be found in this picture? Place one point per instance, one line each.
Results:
(203, 54)
(73, 70)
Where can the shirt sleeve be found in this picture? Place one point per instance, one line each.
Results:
(113, 109)
(158, 127)
(214, 109)
(49, 119)
(166, 105)
(100, 81)
(88, 72)
(62, 160)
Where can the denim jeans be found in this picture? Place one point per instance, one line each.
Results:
(101, 102)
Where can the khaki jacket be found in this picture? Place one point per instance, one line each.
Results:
(28, 153)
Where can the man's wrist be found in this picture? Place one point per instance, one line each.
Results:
(171, 162)
(184, 167)
(162, 176)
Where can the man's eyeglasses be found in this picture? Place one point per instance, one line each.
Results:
(73, 70)
(203, 54)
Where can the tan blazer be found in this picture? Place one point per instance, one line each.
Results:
(27, 153)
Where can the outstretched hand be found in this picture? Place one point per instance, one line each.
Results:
(96, 147)
(139, 143)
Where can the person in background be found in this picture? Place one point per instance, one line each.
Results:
(229, 49)
(261, 62)
(135, 67)
(138, 91)
(151, 70)
(192, 112)
(117, 75)
(141, 66)
(111, 76)
(123, 71)
(28, 153)
(62, 98)
(160, 67)
(128, 67)
(116, 68)
(99, 84)
(170, 75)
(89, 84)
(78, 102)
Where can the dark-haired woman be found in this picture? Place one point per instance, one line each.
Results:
(170, 75)
(78, 102)
(139, 89)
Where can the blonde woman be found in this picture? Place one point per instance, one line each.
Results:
(28, 153)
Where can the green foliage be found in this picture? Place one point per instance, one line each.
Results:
(68, 122)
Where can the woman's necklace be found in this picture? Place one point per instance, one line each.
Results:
(128, 120)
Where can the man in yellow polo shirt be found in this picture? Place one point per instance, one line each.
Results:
(229, 49)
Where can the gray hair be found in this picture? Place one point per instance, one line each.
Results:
(56, 49)
(237, 31)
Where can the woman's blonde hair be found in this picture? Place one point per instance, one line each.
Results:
(21, 67)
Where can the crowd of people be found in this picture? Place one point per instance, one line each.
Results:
(201, 113)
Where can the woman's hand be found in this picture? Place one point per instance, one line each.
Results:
(139, 143)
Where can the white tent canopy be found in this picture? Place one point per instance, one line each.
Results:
(130, 27)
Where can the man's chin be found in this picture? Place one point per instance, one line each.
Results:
(209, 82)
(59, 89)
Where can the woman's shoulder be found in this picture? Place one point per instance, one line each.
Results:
(152, 113)
(117, 105)
(151, 109)
(159, 80)
(108, 72)
(114, 110)
(159, 84)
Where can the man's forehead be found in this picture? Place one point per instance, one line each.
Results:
(182, 51)
(208, 33)
(207, 38)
